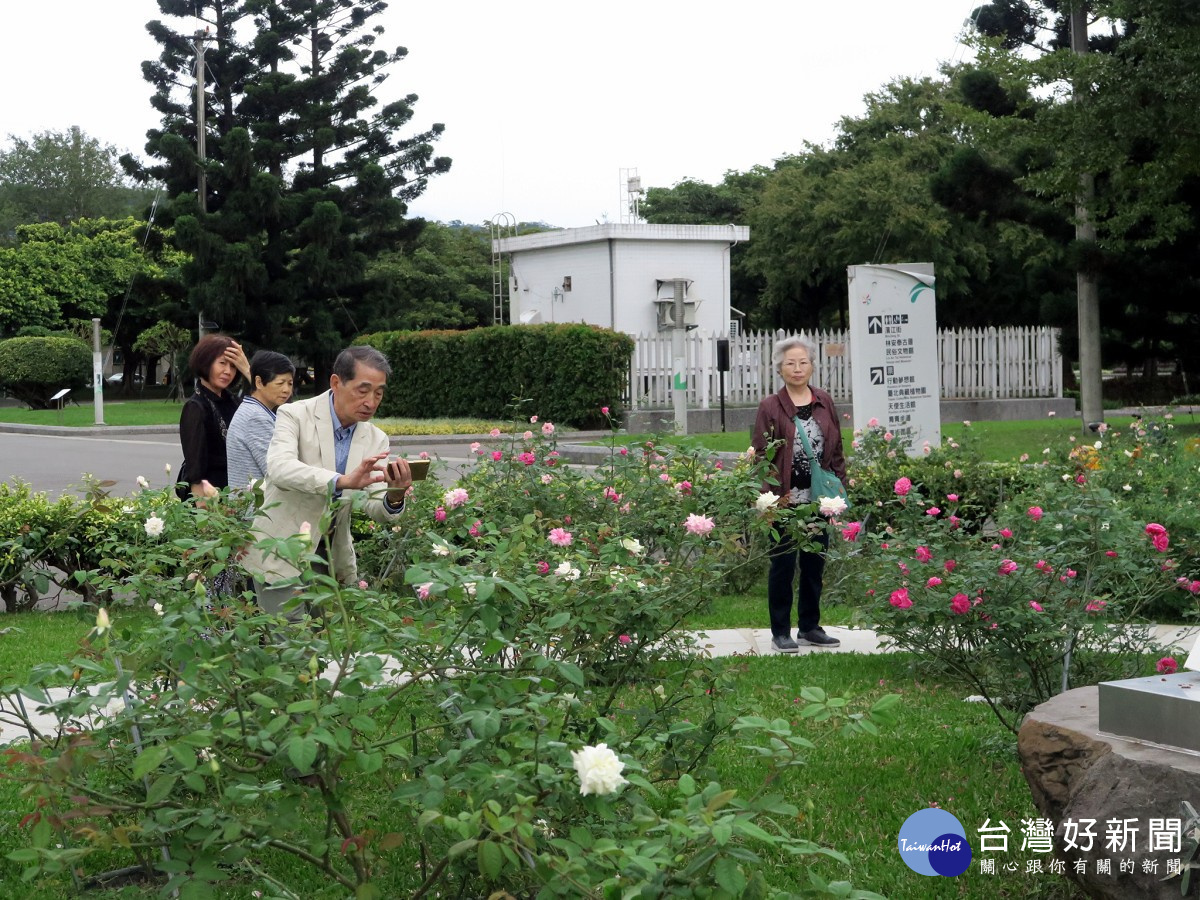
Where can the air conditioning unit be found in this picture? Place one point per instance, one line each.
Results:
(666, 313)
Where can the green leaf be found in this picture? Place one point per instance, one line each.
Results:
(149, 760)
(729, 876)
(161, 788)
(461, 847)
(813, 694)
(491, 860)
(571, 672)
(302, 751)
(687, 785)
(263, 700)
(303, 706)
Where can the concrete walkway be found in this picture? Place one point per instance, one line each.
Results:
(718, 642)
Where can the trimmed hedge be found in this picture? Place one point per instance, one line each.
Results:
(565, 373)
(32, 369)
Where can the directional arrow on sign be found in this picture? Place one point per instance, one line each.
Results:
(874, 324)
(680, 382)
(877, 375)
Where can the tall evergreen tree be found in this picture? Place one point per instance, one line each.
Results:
(307, 174)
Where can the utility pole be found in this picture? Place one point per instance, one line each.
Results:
(679, 358)
(1087, 291)
(198, 40)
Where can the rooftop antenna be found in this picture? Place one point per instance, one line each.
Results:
(631, 197)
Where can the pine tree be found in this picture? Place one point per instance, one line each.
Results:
(307, 176)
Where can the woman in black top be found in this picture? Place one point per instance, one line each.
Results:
(216, 361)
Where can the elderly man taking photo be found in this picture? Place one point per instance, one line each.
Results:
(324, 455)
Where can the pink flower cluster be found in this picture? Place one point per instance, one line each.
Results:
(899, 599)
(1159, 537)
(1007, 567)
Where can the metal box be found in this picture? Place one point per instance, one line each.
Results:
(1160, 709)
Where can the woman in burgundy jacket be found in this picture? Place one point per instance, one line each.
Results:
(794, 359)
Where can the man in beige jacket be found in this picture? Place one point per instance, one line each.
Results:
(325, 455)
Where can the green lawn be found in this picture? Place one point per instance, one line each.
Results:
(1000, 441)
(854, 792)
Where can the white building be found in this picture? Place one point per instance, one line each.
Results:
(622, 276)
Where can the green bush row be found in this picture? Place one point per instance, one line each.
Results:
(568, 371)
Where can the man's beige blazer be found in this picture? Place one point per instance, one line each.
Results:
(301, 468)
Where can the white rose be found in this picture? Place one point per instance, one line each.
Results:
(832, 506)
(765, 501)
(158, 608)
(599, 770)
(633, 545)
(441, 550)
(154, 526)
(142, 482)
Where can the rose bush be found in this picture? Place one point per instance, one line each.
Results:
(426, 726)
(1040, 595)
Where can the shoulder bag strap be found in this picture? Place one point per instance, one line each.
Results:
(215, 412)
(808, 451)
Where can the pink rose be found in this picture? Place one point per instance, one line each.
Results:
(547, 429)
(887, 436)
(560, 537)
(625, 639)
(423, 590)
(924, 554)
(949, 565)
(851, 531)
(1035, 606)
(474, 529)
(1005, 532)
(1035, 513)
(933, 582)
(497, 455)
(902, 486)
(960, 605)
(439, 514)
(1097, 606)
(1166, 666)
(953, 498)
(543, 567)
(699, 525)
(872, 422)
(1007, 567)
(624, 451)
(1111, 554)
(899, 599)
(495, 432)
(684, 487)
(604, 410)
(933, 511)
(528, 435)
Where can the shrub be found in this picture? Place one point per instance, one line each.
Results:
(566, 372)
(33, 369)
(517, 716)
(1040, 596)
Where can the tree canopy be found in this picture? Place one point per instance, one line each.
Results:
(307, 173)
(61, 176)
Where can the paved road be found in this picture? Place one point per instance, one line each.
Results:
(57, 463)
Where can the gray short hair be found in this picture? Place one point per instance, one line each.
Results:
(781, 349)
(347, 361)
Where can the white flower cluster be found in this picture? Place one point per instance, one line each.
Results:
(765, 501)
(566, 571)
(599, 770)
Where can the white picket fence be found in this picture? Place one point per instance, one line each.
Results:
(975, 363)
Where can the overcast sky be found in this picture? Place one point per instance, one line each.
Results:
(543, 102)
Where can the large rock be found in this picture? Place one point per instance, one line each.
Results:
(1077, 774)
